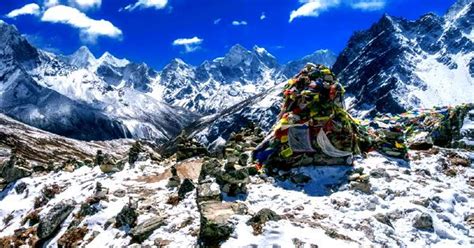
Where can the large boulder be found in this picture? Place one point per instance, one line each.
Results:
(50, 223)
(15, 168)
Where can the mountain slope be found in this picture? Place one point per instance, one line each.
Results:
(399, 64)
(63, 95)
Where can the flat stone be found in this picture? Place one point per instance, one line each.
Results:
(142, 231)
(209, 191)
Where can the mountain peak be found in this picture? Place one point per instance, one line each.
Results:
(238, 48)
(84, 50)
(82, 58)
(112, 60)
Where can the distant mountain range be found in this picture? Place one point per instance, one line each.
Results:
(90, 98)
(394, 66)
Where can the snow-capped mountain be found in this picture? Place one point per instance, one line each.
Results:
(400, 64)
(222, 82)
(63, 95)
(325, 57)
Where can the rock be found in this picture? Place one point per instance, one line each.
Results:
(110, 166)
(384, 219)
(300, 178)
(142, 231)
(69, 168)
(50, 223)
(99, 158)
(134, 152)
(229, 166)
(364, 178)
(15, 168)
(423, 222)
(470, 220)
(86, 210)
(215, 224)
(421, 141)
(20, 187)
(243, 159)
(354, 177)
(159, 242)
(252, 171)
(211, 167)
(73, 237)
(361, 186)
(3, 184)
(186, 186)
(208, 191)
(263, 216)
(378, 173)
(174, 180)
(127, 216)
(234, 182)
(120, 193)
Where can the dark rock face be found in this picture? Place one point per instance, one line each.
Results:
(50, 223)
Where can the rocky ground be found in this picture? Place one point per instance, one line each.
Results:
(143, 200)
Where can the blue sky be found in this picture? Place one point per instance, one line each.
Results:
(155, 31)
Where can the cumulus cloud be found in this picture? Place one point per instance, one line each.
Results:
(90, 29)
(369, 5)
(263, 16)
(239, 23)
(29, 9)
(314, 7)
(143, 4)
(86, 4)
(189, 44)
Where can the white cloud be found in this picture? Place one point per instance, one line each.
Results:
(314, 7)
(29, 9)
(217, 21)
(189, 44)
(90, 28)
(263, 16)
(51, 3)
(86, 4)
(239, 23)
(369, 5)
(142, 4)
